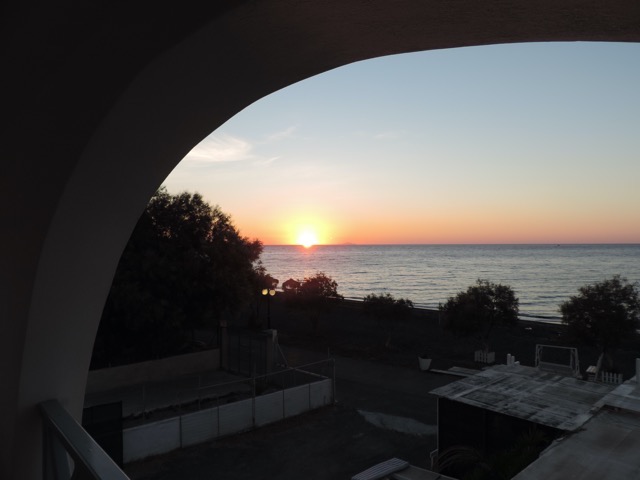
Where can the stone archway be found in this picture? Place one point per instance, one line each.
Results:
(74, 189)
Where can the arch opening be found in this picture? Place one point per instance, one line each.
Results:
(74, 197)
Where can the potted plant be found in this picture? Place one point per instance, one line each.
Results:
(424, 361)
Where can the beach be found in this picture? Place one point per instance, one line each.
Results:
(347, 331)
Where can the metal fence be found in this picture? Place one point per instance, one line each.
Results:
(247, 352)
(233, 407)
(140, 401)
(219, 394)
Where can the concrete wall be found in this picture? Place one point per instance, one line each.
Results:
(152, 371)
(190, 429)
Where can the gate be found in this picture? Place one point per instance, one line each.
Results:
(247, 354)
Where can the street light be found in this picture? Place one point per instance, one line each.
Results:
(268, 292)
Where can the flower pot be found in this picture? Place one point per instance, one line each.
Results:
(424, 362)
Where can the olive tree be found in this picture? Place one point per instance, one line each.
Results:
(314, 295)
(480, 308)
(388, 311)
(603, 314)
(184, 265)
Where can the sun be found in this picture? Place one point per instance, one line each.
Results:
(307, 238)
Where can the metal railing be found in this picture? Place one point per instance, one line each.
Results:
(219, 410)
(193, 393)
(69, 451)
(217, 394)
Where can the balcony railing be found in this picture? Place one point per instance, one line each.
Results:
(70, 452)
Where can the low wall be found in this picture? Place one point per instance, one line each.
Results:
(152, 371)
(166, 435)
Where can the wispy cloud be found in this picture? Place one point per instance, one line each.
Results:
(281, 135)
(265, 161)
(221, 148)
(390, 135)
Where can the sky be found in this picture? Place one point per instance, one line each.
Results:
(520, 143)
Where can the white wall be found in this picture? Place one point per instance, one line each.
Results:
(165, 435)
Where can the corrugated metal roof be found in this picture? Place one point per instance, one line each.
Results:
(606, 447)
(625, 396)
(524, 392)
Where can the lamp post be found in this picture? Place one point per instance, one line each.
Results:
(268, 292)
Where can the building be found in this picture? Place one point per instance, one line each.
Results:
(606, 446)
(590, 429)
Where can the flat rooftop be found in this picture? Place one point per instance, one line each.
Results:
(625, 396)
(606, 447)
(545, 398)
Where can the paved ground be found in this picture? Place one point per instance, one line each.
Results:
(382, 411)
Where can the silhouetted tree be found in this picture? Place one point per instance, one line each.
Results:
(479, 309)
(315, 295)
(388, 311)
(184, 265)
(603, 315)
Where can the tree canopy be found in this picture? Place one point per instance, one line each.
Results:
(315, 295)
(388, 311)
(183, 267)
(477, 310)
(603, 314)
(387, 306)
(319, 287)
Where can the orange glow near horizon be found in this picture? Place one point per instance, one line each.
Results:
(451, 227)
(305, 230)
(387, 166)
(307, 238)
(364, 217)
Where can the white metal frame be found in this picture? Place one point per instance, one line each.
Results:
(574, 362)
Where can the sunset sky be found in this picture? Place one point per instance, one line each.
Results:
(529, 143)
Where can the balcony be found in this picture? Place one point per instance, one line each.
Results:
(69, 451)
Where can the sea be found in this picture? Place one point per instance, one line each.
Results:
(542, 276)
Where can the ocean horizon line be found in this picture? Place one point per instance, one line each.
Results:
(348, 244)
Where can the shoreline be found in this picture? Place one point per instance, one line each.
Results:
(542, 277)
(347, 331)
(521, 318)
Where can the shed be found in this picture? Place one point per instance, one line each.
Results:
(491, 409)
